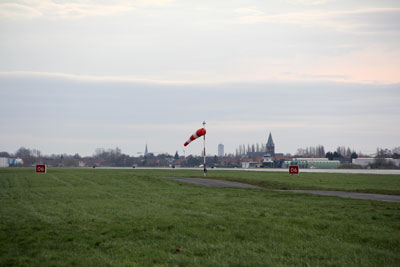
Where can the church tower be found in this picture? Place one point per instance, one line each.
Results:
(146, 151)
(270, 146)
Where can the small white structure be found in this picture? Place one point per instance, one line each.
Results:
(19, 161)
(251, 164)
(362, 161)
(4, 163)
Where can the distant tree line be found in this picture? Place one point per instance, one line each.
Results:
(317, 151)
(114, 158)
(243, 149)
(383, 156)
(342, 152)
(387, 153)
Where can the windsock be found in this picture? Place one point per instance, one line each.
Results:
(197, 134)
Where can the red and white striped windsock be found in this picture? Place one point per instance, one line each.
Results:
(197, 134)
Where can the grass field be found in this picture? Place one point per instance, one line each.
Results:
(93, 217)
(366, 183)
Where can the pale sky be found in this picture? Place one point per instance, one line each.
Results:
(81, 75)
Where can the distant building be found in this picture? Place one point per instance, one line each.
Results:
(252, 162)
(146, 151)
(229, 162)
(269, 153)
(365, 162)
(4, 163)
(270, 146)
(312, 163)
(7, 162)
(220, 150)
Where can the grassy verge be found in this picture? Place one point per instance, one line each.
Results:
(134, 217)
(367, 183)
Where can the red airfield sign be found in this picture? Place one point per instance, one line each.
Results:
(41, 168)
(294, 169)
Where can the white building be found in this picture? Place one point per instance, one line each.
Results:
(312, 163)
(364, 162)
(7, 162)
(221, 150)
(4, 163)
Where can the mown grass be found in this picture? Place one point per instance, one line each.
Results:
(136, 218)
(367, 183)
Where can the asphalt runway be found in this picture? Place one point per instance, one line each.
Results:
(222, 183)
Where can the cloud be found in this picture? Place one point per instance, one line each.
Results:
(92, 78)
(80, 113)
(223, 101)
(249, 11)
(367, 64)
(309, 2)
(373, 64)
(15, 10)
(65, 10)
(156, 3)
(365, 20)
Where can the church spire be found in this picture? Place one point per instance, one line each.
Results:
(270, 146)
(146, 151)
(270, 141)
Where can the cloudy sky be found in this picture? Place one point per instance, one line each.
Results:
(81, 75)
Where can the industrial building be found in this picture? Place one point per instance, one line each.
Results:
(313, 163)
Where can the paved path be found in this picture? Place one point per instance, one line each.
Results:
(222, 183)
(361, 171)
(214, 183)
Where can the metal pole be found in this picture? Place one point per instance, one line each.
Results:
(204, 151)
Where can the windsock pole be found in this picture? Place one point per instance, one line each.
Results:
(204, 150)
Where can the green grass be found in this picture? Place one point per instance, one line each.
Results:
(367, 183)
(136, 218)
